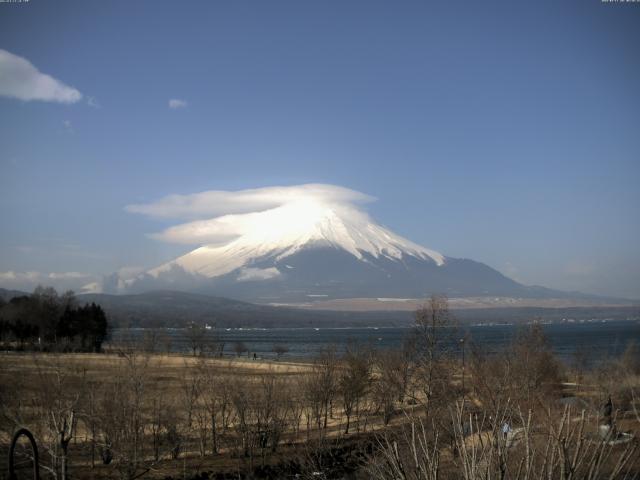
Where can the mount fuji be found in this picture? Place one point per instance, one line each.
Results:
(311, 248)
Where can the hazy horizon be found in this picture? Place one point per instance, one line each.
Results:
(505, 133)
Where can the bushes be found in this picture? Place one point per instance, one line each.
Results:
(558, 445)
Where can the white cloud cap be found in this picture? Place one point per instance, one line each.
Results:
(20, 79)
(214, 203)
(177, 103)
(219, 216)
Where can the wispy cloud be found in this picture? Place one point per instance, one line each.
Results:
(177, 103)
(511, 271)
(27, 281)
(93, 102)
(220, 216)
(68, 126)
(59, 248)
(20, 79)
(130, 272)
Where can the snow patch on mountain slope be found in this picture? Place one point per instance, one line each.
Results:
(248, 274)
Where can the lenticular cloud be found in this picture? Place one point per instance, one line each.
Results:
(221, 202)
(218, 216)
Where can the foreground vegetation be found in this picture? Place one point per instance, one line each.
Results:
(418, 412)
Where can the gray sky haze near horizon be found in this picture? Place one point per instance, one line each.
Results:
(504, 132)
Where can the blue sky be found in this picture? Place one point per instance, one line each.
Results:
(506, 132)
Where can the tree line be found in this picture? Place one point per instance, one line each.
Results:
(46, 320)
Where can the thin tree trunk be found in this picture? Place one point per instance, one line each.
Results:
(214, 434)
(63, 460)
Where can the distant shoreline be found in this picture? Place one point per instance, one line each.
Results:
(603, 339)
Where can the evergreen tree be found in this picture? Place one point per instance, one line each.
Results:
(47, 319)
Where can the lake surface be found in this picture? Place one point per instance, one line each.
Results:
(599, 339)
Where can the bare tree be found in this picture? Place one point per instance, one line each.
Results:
(312, 401)
(201, 423)
(166, 342)
(121, 416)
(559, 448)
(150, 339)
(394, 374)
(354, 378)
(432, 334)
(214, 343)
(535, 372)
(196, 336)
(57, 405)
(413, 455)
(173, 437)
(323, 383)
(156, 424)
(89, 414)
(490, 377)
(280, 350)
(261, 414)
(294, 400)
(190, 387)
(217, 399)
(270, 412)
(239, 348)
(241, 401)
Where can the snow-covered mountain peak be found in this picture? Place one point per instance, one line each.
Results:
(285, 230)
(298, 244)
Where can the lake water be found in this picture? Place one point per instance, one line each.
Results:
(598, 339)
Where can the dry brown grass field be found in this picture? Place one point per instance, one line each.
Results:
(177, 383)
(166, 376)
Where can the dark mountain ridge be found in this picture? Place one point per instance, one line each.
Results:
(177, 309)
